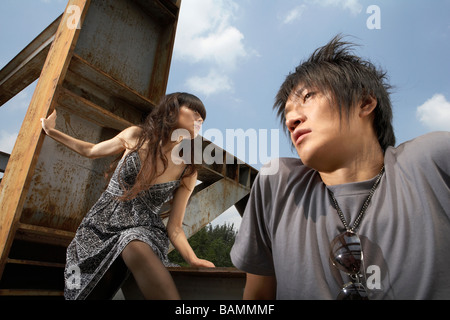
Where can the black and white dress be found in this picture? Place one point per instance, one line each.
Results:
(111, 224)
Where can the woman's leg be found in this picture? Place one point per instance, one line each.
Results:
(152, 277)
(111, 281)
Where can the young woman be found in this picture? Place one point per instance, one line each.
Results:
(125, 221)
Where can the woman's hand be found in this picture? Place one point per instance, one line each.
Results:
(202, 263)
(49, 123)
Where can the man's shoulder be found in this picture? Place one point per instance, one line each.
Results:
(435, 137)
(281, 166)
(282, 170)
(426, 151)
(428, 144)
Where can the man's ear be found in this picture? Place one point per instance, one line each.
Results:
(367, 106)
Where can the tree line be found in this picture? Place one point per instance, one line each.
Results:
(210, 243)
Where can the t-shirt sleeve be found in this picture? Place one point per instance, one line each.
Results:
(430, 153)
(434, 147)
(437, 172)
(252, 250)
(427, 160)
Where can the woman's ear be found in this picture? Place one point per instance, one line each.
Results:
(367, 106)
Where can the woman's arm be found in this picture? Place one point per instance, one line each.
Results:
(260, 287)
(124, 140)
(175, 228)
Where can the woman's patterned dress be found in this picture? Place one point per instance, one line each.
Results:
(111, 224)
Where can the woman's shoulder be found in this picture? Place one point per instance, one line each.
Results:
(130, 136)
(133, 131)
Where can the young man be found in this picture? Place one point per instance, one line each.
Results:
(354, 217)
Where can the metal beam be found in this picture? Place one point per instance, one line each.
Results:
(207, 204)
(4, 157)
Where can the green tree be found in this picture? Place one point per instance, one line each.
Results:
(210, 243)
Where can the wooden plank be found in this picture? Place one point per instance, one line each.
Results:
(24, 156)
(41, 234)
(220, 272)
(36, 263)
(27, 65)
(30, 293)
(193, 283)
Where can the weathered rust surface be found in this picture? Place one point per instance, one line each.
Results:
(65, 185)
(140, 43)
(19, 172)
(210, 202)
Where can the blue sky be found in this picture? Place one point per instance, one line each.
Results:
(235, 54)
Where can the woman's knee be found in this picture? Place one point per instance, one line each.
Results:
(136, 253)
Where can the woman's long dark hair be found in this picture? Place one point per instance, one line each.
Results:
(157, 132)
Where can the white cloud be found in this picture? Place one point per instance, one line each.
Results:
(205, 33)
(294, 14)
(213, 83)
(435, 113)
(7, 141)
(352, 5)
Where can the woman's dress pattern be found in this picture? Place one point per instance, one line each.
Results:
(111, 224)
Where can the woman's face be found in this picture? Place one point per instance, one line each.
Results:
(190, 120)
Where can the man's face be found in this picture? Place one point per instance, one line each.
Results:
(321, 139)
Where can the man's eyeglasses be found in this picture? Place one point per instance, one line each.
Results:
(346, 255)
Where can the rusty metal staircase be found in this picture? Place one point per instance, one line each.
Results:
(103, 64)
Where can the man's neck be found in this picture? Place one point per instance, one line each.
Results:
(357, 169)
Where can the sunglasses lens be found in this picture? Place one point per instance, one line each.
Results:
(346, 252)
(353, 291)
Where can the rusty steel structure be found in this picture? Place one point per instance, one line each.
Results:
(103, 64)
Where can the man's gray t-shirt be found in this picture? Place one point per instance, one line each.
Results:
(289, 223)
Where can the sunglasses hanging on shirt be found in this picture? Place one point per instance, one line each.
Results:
(346, 251)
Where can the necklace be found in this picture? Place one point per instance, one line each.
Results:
(363, 208)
